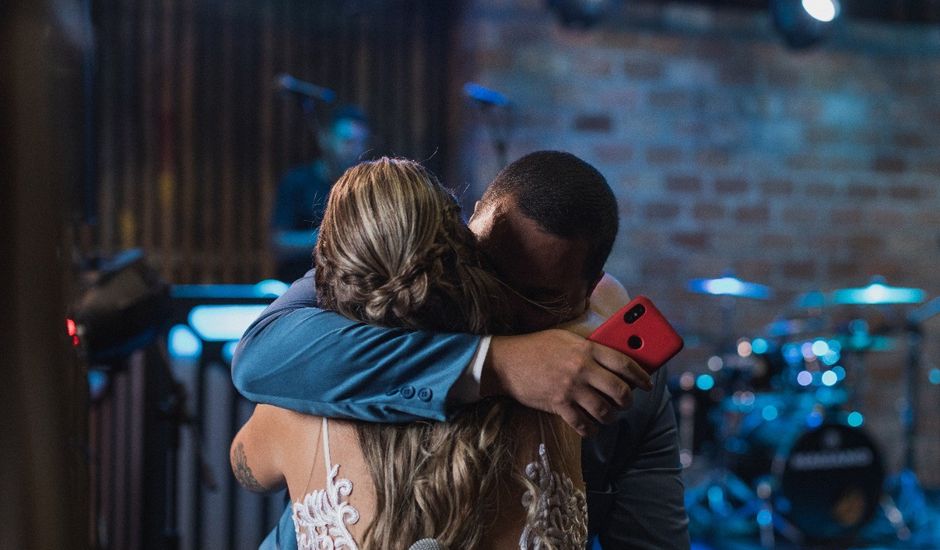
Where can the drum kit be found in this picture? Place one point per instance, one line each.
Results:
(791, 459)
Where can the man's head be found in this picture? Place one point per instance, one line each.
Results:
(344, 138)
(548, 222)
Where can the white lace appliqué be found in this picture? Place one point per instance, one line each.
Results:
(320, 519)
(561, 509)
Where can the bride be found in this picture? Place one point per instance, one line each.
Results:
(393, 251)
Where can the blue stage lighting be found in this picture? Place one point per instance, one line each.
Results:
(934, 376)
(804, 22)
(821, 10)
(223, 322)
(705, 382)
(855, 419)
(183, 343)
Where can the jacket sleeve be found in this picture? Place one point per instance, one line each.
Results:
(314, 361)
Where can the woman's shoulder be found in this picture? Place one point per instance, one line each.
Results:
(608, 296)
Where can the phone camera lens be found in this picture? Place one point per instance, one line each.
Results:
(634, 313)
(635, 342)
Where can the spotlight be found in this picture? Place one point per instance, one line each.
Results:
(804, 22)
(579, 13)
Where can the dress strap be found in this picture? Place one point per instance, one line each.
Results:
(326, 446)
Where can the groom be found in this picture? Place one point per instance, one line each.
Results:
(547, 223)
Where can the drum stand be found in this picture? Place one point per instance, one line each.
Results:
(722, 501)
(904, 503)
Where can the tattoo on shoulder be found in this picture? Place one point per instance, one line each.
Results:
(243, 472)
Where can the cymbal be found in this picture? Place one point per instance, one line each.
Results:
(877, 293)
(730, 285)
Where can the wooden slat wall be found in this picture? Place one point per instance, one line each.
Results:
(192, 137)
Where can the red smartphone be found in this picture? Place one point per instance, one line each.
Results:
(640, 331)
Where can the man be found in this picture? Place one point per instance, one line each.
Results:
(547, 223)
(302, 192)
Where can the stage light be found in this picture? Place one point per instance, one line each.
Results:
(934, 376)
(814, 420)
(820, 348)
(183, 343)
(804, 22)
(759, 346)
(705, 382)
(715, 363)
(687, 381)
(804, 378)
(822, 10)
(855, 419)
(579, 13)
(744, 348)
(223, 323)
(72, 330)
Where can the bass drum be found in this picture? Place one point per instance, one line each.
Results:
(828, 479)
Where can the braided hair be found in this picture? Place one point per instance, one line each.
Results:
(393, 251)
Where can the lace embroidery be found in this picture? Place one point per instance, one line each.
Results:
(561, 509)
(320, 519)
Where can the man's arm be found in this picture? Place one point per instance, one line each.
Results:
(644, 484)
(314, 361)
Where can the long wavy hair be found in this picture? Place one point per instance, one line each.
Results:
(394, 251)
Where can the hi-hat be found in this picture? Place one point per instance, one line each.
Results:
(729, 285)
(877, 293)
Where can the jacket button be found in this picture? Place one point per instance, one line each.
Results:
(407, 392)
(424, 394)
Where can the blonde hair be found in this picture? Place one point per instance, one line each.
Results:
(394, 251)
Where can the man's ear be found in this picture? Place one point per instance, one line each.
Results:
(477, 208)
(477, 211)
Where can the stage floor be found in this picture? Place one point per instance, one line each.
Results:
(878, 534)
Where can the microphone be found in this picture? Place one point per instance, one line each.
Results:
(287, 83)
(485, 96)
(426, 544)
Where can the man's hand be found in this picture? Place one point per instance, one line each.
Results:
(559, 372)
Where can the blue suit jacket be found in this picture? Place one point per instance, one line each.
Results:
(303, 358)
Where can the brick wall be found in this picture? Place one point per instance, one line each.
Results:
(803, 171)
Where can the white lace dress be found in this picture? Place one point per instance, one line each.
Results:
(322, 517)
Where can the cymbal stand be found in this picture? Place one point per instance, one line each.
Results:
(904, 496)
(858, 332)
(722, 501)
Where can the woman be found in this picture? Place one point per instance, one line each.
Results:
(393, 251)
